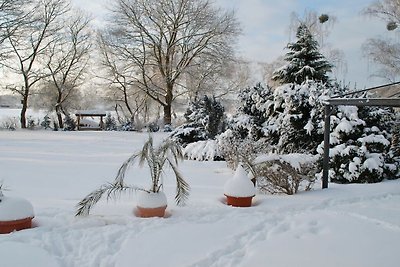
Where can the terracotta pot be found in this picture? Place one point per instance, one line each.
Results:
(151, 212)
(239, 201)
(15, 225)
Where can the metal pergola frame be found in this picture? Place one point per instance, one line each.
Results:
(330, 105)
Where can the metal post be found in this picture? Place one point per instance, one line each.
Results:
(325, 164)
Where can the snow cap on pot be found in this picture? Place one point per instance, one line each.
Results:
(15, 213)
(239, 185)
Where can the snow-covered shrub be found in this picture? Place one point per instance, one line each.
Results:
(250, 116)
(360, 145)
(205, 119)
(235, 149)
(295, 121)
(110, 124)
(202, 150)
(168, 128)
(153, 127)
(69, 123)
(9, 123)
(287, 174)
(46, 122)
(31, 123)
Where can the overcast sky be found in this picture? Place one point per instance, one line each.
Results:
(265, 25)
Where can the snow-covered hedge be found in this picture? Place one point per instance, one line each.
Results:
(360, 151)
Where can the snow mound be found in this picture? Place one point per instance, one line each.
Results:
(20, 255)
(151, 200)
(240, 185)
(14, 208)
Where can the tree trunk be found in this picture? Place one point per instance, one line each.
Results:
(168, 105)
(23, 111)
(25, 95)
(59, 117)
(167, 114)
(59, 109)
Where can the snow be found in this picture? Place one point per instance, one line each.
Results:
(15, 208)
(239, 185)
(345, 225)
(29, 255)
(201, 150)
(296, 160)
(151, 199)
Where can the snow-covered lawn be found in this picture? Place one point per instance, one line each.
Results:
(345, 225)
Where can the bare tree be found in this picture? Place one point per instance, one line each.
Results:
(221, 78)
(10, 16)
(161, 39)
(67, 60)
(118, 76)
(28, 44)
(385, 52)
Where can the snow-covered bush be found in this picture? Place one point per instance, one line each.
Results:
(31, 123)
(46, 122)
(110, 123)
(203, 150)
(205, 119)
(9, 123)
(250, 116)
(153, 127)
(360, 145)
(69, 123)
(295, 121)
(235, 149)
(287, 174)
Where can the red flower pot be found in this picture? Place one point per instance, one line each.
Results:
(239, 201)
(151, 212)
(15, 225)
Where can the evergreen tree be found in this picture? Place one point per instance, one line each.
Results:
(46, 122)
(305, 62)
(110, 123)
(294, 122)
(360, 145)
(250, 116)
(205, 119)
(69, 123)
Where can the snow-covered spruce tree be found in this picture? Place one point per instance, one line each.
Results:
(304, 60)
(46, 122)
(294, 122)
(69, 123)
(110, 123)
(205, 119)
(250, 116)
(360, 145)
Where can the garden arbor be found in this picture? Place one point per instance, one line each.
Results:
(82, 124)
(330, 105)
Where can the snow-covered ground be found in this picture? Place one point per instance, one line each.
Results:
(345, 225)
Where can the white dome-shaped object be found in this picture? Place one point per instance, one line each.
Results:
(151, 200)
(240, 185)
(14, 208)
